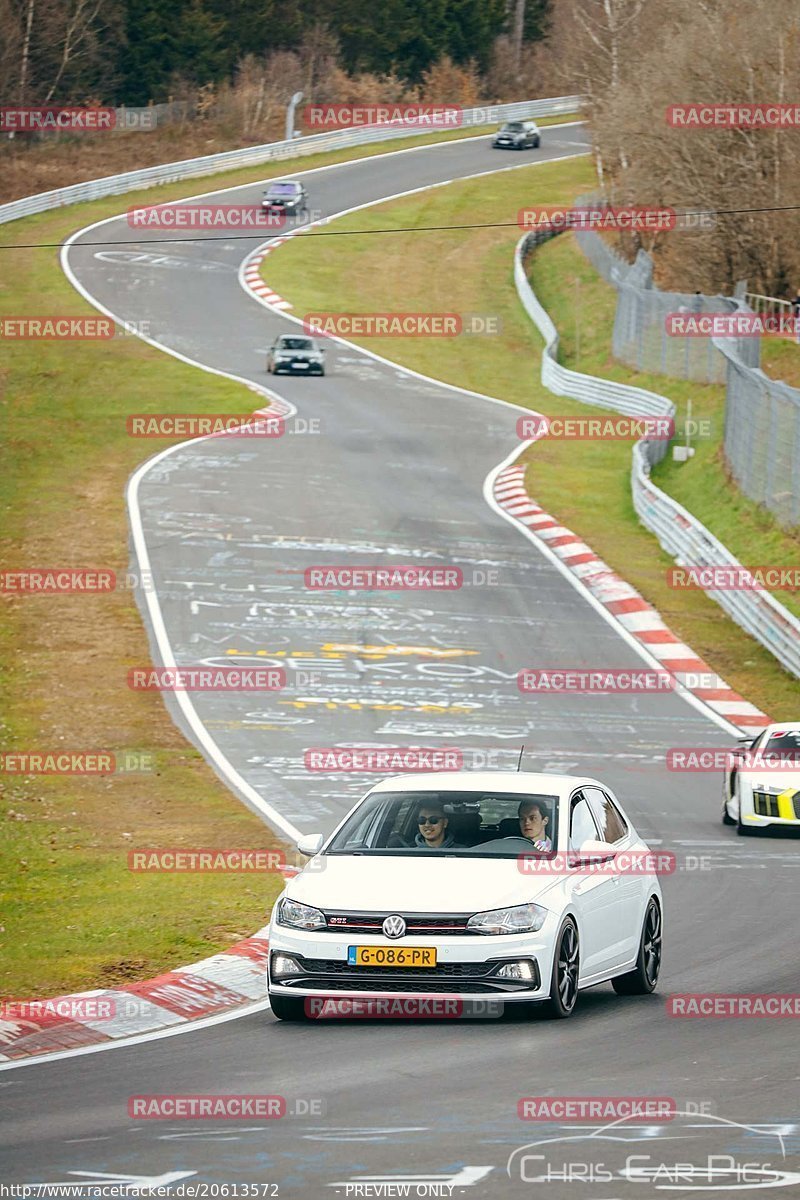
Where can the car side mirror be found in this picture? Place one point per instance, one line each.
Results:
(592, 851)
(310, 844)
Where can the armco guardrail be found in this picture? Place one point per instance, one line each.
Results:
(249, 156)
(680, 534)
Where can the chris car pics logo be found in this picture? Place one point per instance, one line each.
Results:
(677, 1152)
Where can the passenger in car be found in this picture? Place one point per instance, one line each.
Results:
(533, 825)
(432, 824)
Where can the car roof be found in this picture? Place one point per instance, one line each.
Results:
(522, 782)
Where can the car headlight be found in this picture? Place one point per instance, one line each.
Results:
(300, 916)
(522, 918)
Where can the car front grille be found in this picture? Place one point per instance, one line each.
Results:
(449, 970)
(765, 805)
(336, 975)
(417, 924)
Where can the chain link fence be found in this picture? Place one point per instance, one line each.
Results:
(762, 435)
(680, 533)
(762, 415)
(640, 338)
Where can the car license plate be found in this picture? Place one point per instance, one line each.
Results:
(391, 956)
(301, 366)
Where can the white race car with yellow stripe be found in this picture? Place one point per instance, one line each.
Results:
(762, 782)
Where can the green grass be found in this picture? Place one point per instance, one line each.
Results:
(780, 359)
(472, 271)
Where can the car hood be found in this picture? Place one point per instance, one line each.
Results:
(367, 883)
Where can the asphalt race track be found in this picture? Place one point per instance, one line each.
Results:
(395, 475)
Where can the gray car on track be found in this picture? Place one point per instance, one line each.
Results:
(294, 353)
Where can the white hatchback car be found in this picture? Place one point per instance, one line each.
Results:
(428, 887)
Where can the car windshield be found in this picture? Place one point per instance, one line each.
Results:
(513, 127)
(295, 343)
(782, 739)
(284, 189)
(468, 824)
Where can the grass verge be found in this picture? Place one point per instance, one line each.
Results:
(589, 491)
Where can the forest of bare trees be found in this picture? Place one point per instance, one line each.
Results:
(230, 66)
(633, 59)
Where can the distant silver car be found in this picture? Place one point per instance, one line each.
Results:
(517, 135)
(295, 353)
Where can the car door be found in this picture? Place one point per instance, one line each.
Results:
(630, 887)
(593, 894)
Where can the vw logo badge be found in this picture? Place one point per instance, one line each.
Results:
(394, 927)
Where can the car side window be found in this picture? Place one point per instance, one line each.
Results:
(581, 823)
(613, 826)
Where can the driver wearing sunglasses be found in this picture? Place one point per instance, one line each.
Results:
(432, 824)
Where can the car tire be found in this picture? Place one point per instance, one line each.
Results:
(643, 979)
(727, 819)
(537, 143)
(564, 977)
(287, 1008)
(322, 370)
